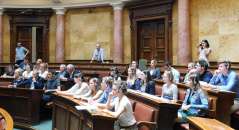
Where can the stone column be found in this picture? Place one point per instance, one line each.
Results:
(60, 35)
(118, 32)
(184, 33)
(1, 35)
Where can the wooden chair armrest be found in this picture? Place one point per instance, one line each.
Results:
(210, 113)
(180, 101)
(150, 125)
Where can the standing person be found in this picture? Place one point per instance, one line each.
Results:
(195, 99)
(38, 63)
(99, 53)
(123, 109)
(176, 75)
(18, 79)
(114, 71)
(147, 84)
(132, 81)
(34, 82)
(20, 53)
(228, 79)
(135, 65)
(170, 90)
(204, 51)
(191, 66)
(155, 72)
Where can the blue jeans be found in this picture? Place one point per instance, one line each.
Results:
(99, 61)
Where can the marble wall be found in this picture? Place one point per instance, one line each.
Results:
(6, 38)
(218, 22)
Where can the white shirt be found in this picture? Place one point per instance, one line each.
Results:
(25, 74)
(127, 117)
(44, 74)
(79, 91)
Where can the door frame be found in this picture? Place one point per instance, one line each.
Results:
(150, 10)
(32, 18)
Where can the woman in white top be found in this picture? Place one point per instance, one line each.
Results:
(204, 51)
(95, 91)
(28, 73)
(80, 88)
(43, 70)
(170, 90)
(123, 108)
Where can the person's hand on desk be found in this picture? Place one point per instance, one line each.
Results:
(186, 107)
(76, 96)
(91, 61)
(105, 110)
(209, 86)
(91, 101)
(63, 79)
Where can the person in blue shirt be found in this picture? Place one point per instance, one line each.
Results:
(195, 99)
(10, 73)
(132, 81)
(18, 79)
(23, 64)
(34, 82)
(99, 53)
(155, 72)
(228, 79)
(63, 72)
(106, 84)
(201, 71)
(20, 53)
(52, 85)
(167, 67)
(147, 84)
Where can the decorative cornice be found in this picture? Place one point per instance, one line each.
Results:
(117, 5)
(60, 10)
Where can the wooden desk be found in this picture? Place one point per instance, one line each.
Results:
(198, 123)
(66, 117)
(165, 112)
(222, 101)
(22, 104)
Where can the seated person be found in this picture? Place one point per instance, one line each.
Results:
(201, 71)
(38, 63)
(63, 72)
(170, 90)
(228, 79)
(52, 85)
(28, 73)
(132, 81)
(10, 73)
(18, 79)
(34, 82)
(114, 73)
(95, 91)
(195, 99)
(147, 84)
(135, 65)
(191, 66)
(80, 88)
(72, 71)
(23, 64)
(43, 70)
(176, 75)
(123, 109)
(155, 72)
(106, 85)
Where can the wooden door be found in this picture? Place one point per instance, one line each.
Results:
(24, 35)
(39, 43)
(151, 40)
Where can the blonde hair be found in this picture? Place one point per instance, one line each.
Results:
(131, 80)
(19, 71)
(170, 75)
(195, 80)
(45, 65)
(96, 84)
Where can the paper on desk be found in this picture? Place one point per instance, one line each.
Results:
(86, 107)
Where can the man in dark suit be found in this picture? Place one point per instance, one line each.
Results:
(34, 82)
(23, 64)
(72, 71)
